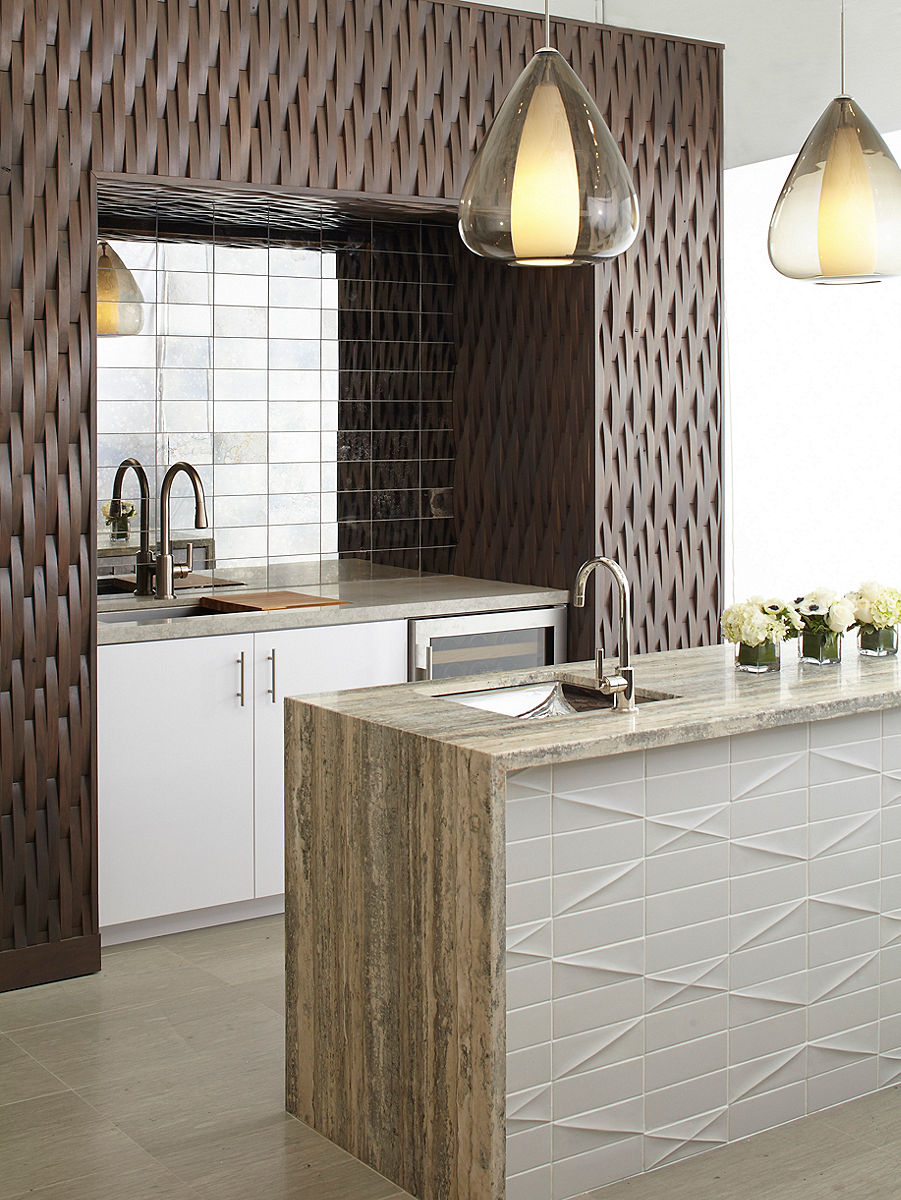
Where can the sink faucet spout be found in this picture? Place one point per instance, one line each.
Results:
(144, 558)
(165, 569)
(622, 684)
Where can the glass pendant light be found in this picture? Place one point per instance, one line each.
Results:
(838, 217)
(119, 301)
(548, 186)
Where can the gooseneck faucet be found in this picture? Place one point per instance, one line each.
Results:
(620, 686)
(144, 559)
(165, 571)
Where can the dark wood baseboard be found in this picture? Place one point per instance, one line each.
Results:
(49, 961)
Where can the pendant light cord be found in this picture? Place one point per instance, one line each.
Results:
(547, 23)
(843, 46)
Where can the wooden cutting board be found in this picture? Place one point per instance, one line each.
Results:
(264, 601)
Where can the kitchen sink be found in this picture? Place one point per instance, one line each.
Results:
(144, 616)
(553, 698)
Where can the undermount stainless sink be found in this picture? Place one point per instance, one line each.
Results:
(538, 701)
(144, 616)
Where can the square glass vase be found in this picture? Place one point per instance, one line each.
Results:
(822, 647)
(878, 643)
(758, 660)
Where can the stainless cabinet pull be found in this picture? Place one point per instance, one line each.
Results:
(272, 660)
(241, 665)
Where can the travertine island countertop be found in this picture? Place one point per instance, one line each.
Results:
(711, 699)
(484, 912)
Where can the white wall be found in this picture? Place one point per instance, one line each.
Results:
(814, 413)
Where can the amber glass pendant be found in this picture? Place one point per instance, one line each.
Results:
(548, 186)
(838, 217)
(120, 305)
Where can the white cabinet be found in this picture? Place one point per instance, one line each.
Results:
(190, 779)
(175, 776)
(292, 662)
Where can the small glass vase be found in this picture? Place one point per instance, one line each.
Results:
(118, 529)
(820, 646)
(878, 643)
(757, 659)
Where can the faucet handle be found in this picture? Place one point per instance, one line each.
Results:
(181, 569)
(599, 664)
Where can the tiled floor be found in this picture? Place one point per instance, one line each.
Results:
(161, 1078)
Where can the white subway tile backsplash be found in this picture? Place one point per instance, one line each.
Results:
(240, 385)
(831, 763)
(763, 963)
(293, 447)
(528, 1068)
(598, 968)
(759, 1076)
(124, 385)
(845, 1083)
(527, 818)
(528, 902)
(685, 829)
(600, 1047)
(240, 321)
(687, 1098)
(528, 985)
(247, 353)
(702, 864)
(891, 722)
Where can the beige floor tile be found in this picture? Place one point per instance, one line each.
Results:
(276, 1157)
(198, 945)
(22, 1077)
(874, 1120)
(110, 1048)
(53, 1139)
(134, 975)
(270, 992)
(151, 1181)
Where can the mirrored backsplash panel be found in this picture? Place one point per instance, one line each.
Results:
(310, 384)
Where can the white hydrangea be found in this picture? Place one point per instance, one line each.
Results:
(816, 603)
(876, 605)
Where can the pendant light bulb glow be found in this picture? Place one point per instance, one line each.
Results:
(838, 217)
(120, 305)
(548, 186)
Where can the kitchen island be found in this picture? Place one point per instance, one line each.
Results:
(529, 958)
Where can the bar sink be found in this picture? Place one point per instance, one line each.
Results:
(145, 616)
(551, 698)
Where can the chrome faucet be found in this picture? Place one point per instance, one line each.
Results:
(144, 563)
(165, 568)
(621, 686)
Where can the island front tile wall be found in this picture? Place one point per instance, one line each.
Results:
(703, 941)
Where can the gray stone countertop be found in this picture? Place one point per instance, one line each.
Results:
(373, 594)
(710, 699)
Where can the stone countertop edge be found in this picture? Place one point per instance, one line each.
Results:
(366, 600)
(711, 700)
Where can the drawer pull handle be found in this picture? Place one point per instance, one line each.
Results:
(272, 689)
(241, 665)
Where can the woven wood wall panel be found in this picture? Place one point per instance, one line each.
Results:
(525, 478)
(524, 414)
(388, 97)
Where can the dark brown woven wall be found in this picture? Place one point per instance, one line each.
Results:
(528, 381)
(382, 96)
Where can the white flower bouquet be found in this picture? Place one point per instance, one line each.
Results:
(877, 611)
(757, 620)
(825, 616)
(758, 626)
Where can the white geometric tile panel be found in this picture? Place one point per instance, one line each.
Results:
(704, 941)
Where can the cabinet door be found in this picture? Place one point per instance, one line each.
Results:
(175, 776)
(324, 659)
